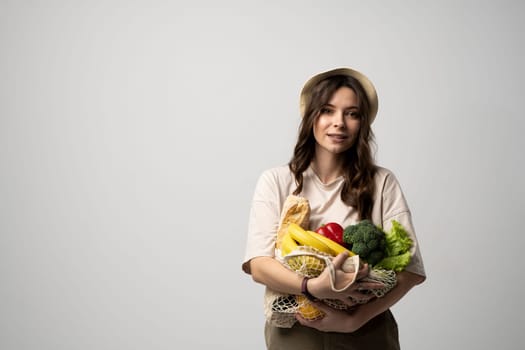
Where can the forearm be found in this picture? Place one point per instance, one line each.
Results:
(273, 274)
(405, 282)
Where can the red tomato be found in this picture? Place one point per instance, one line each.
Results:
(332, 230)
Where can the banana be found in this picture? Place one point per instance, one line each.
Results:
(304, 238)
(334, 246)
(304, 264)
(288, 244)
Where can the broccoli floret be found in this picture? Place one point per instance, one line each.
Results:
(360, 249)
(356, 235)
(372, 244)
(366, 240)
(375, 256)
(370, 234)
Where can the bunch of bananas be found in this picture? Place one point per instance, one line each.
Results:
(296, 235)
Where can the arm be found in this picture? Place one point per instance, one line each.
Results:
(340, 321)
(270, 272)
(405, 282)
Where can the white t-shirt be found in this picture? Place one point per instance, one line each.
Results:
(274, 186)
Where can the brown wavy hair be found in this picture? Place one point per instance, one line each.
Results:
(358, 162)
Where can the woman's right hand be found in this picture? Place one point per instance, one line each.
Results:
(321, 286)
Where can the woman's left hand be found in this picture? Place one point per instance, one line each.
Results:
(334, 320)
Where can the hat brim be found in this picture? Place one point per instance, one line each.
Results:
(368, 87)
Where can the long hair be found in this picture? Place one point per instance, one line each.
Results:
(358, 162)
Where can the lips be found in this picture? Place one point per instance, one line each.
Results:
(338, 137)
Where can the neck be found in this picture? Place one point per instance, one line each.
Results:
(327, 168)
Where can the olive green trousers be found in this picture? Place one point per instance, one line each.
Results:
(380, 333)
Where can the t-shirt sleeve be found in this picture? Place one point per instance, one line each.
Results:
(263, 220)
(395, 207)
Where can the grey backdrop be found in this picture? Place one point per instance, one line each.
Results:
(132, 134)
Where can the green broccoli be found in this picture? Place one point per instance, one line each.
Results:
(366, 240)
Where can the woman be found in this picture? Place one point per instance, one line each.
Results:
(333, 168)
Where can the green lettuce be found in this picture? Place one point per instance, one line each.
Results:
(398, 244)
(396, 263)
(397, 240)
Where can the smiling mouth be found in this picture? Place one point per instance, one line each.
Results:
(338, 137)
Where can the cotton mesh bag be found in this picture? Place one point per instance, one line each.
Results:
(306, 261)
(280, 309)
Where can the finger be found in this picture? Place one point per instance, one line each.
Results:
(363, 271)
(350, 266)
(323, 307)
(359, 297)
(340, 259)
(370, 285)
(348, 302)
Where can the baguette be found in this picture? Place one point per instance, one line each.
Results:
(295, 210)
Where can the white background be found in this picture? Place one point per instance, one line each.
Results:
(132, 134)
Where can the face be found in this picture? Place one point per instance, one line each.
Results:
(337, 127)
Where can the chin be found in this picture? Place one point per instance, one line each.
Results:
(339, 150)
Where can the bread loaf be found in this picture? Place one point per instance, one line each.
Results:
(296, 209)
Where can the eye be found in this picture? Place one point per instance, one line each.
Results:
(352, 114)
(326, 110)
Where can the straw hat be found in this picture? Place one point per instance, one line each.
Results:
(369, 88)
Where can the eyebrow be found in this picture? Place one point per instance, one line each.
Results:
(332, 106)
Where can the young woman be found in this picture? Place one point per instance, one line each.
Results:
(333, 168)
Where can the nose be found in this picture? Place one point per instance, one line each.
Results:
(338, 120)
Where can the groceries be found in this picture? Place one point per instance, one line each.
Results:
(309, 252)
